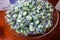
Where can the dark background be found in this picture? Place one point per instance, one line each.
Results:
(6, 34)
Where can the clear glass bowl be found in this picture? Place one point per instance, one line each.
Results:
(55, 19)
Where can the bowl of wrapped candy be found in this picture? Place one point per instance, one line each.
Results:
(32, 18)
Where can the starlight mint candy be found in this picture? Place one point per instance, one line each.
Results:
(31, 17)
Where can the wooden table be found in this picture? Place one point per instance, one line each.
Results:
(6, 34)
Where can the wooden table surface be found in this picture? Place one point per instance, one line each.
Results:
(6, 34)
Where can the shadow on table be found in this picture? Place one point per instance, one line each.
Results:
(2, 31)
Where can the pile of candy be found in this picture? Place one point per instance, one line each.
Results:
(30, 17)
